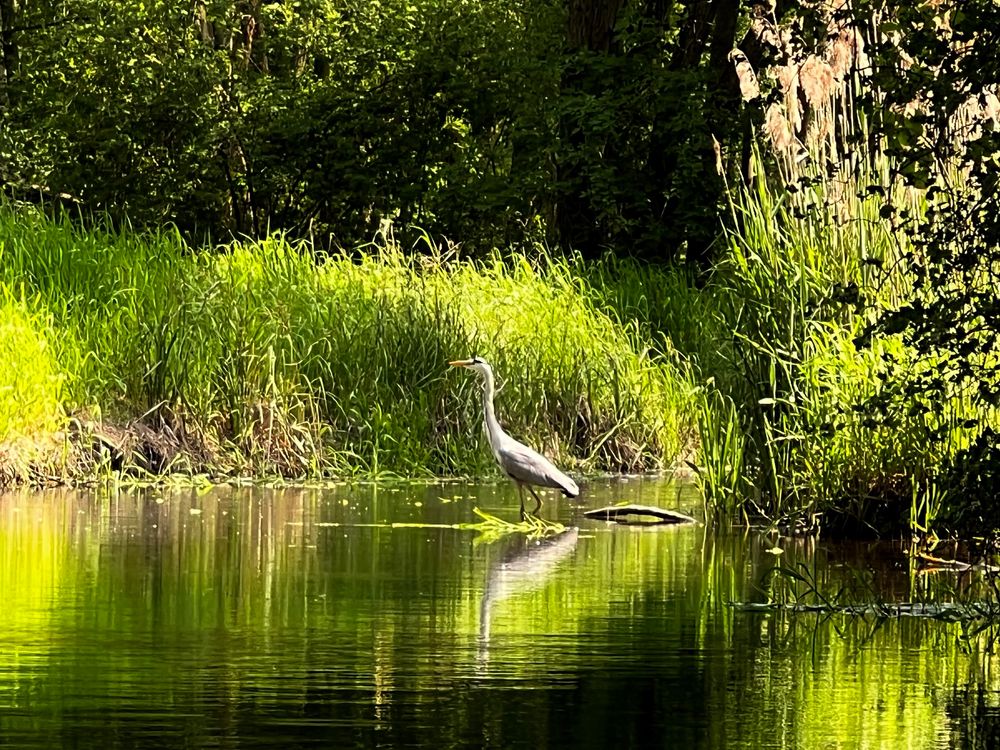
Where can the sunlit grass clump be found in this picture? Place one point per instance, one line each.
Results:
(492, 528)
(30, 380)
(260, 358)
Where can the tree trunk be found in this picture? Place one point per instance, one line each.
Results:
(694, 34)
(726, 15)
(592, 24)
(723, 112)
(708, 27)
(8, 48)
(590, 29)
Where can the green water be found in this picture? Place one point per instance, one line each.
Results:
(291, 618)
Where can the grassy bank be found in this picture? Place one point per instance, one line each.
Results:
(256, 359)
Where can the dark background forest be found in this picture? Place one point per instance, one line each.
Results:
(589, 124)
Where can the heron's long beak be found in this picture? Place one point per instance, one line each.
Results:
(460, 363)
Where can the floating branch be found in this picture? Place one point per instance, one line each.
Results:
(620, 513)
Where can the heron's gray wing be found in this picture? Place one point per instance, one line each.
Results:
(525, 465)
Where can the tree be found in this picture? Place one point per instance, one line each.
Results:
(643, 92)
(932, 100)
(588, 122)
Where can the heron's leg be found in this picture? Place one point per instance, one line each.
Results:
(520, 492)
(538, 500)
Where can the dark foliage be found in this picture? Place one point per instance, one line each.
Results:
(586, 123)
(934, 81)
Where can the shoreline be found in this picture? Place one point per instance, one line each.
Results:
(87, 454)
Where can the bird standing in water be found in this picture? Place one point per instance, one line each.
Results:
(519, 462)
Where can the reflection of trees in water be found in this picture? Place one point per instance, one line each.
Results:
(974, 712)
(258, 605)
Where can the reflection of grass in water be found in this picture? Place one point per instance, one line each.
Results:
(492, 528)
(254, 563)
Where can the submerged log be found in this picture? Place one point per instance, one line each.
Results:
(621, 512)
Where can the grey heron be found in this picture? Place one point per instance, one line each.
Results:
(519, 462)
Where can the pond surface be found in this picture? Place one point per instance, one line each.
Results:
(298, 617)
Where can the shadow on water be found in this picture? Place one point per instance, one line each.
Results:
(364, 616)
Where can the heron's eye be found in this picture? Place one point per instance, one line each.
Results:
(477, 361)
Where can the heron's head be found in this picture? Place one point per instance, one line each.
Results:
(478, 364)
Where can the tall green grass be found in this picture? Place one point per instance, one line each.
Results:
(788, 427)
(259, 358)
(31, 385)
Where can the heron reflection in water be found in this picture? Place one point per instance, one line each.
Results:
(525, 566)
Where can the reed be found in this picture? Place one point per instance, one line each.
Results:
(803, 271)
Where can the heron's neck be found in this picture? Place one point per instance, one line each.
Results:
(493, 429)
